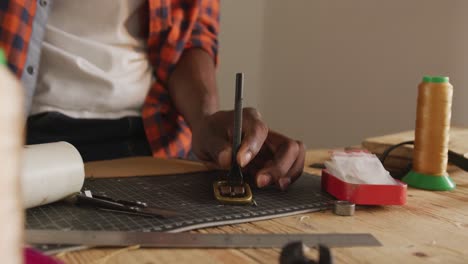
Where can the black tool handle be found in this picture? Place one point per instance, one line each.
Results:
(237, 132)
(235, 176)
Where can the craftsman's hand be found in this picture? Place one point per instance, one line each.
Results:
(266, 155)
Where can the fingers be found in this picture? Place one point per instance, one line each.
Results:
(217, 156)
(224, 157)
(287, 164)
(276, 170)
(271, 157)
(210, 141)
(255, 132)
(212, 138)
(298, 167)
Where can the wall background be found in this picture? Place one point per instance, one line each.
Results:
(333, 72)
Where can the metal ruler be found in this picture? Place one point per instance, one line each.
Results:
(191, 240)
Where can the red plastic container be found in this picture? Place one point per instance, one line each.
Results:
(364, 194)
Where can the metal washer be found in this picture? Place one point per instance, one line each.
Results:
(344, 208)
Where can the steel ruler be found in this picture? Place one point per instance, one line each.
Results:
(194, 240)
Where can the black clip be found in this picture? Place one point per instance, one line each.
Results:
(293, 253)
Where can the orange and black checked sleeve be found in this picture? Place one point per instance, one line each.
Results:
(206, 29)
(185, 24)
(16, 19)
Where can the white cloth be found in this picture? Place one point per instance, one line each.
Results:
(94, 62)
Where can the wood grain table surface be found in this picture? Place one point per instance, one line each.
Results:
(431, 228)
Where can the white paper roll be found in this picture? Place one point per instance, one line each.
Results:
(50, 172)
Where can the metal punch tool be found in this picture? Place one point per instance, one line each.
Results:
(88, 199)
(235, 190)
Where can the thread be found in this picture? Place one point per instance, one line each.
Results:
(432, 127)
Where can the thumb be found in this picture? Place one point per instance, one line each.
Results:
(255, 135)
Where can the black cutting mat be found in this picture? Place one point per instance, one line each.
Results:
(190, 194)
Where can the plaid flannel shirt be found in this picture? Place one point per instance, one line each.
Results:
(174, 26)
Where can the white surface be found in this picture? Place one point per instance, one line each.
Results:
(11, 141)
(50, 173)
(94, 62)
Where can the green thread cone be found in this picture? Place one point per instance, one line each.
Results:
(429, 182)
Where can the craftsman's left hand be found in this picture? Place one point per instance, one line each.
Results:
(268, 156)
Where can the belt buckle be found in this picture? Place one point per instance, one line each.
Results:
(232, 198)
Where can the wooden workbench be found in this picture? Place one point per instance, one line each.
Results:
(432, 227)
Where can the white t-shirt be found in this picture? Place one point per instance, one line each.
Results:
(94, 62)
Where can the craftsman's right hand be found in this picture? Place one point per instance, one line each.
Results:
(269, 157)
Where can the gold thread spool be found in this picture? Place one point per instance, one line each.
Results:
(432, 135)
(432, 128)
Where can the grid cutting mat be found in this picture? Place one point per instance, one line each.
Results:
(189, 194)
